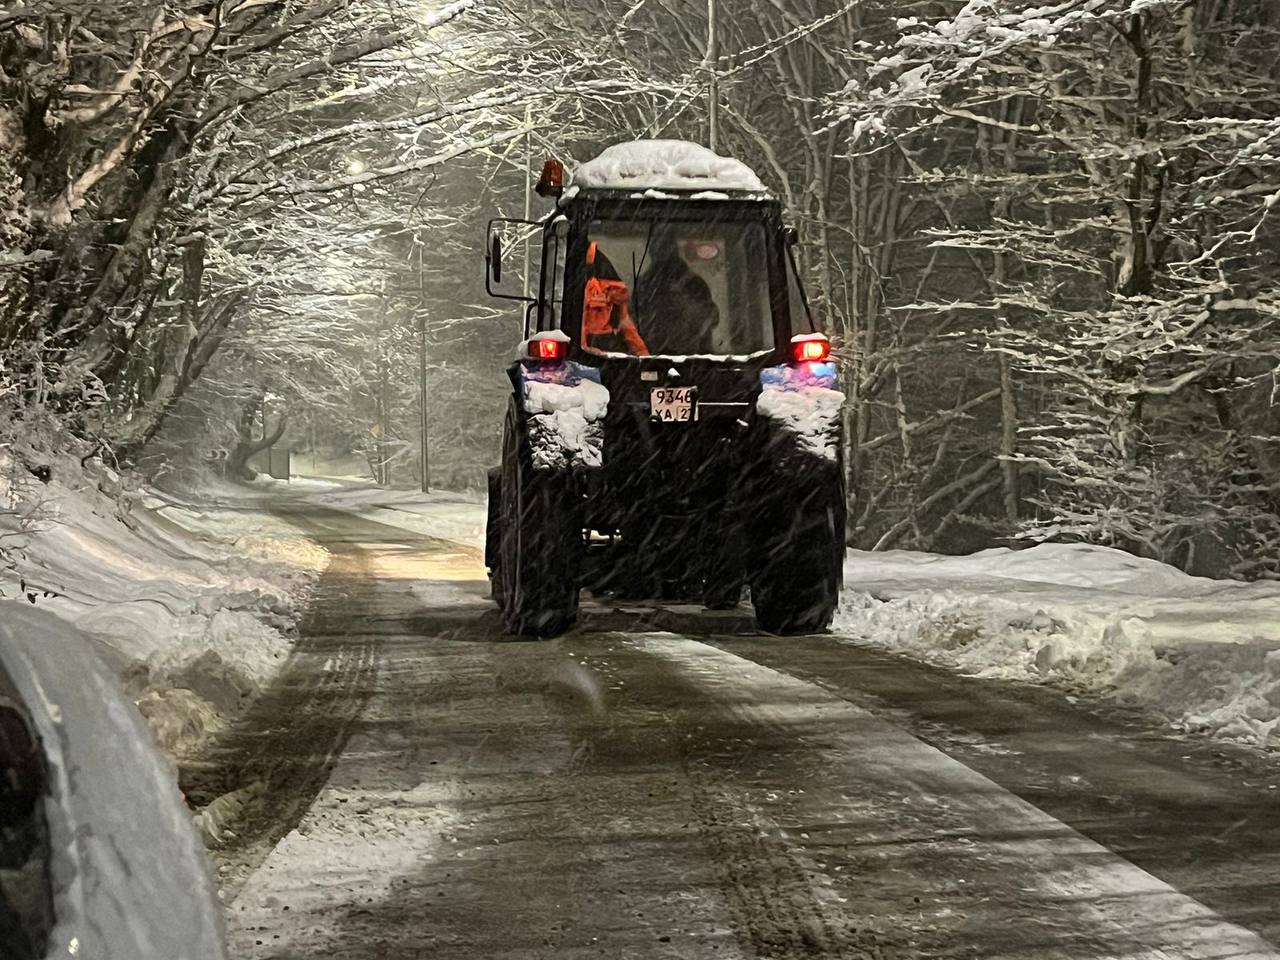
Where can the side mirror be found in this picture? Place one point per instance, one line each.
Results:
(790, 236)
(495, 258)
(496, 238)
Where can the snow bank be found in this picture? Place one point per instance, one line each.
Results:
(666, 165)
(566, 426)
(129, 876)
(811, 413)
(191, 604)
(1203, 653)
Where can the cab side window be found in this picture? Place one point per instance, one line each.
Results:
(551, 292)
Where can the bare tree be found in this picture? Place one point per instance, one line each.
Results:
(1120, 228)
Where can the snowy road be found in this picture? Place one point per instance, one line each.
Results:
(660, 785)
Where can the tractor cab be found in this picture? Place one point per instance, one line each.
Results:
(660, 251)
(675, 425)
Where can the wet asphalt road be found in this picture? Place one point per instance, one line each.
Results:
(666, 784)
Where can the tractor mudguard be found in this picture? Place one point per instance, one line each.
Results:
(565, 406)
(795, 565)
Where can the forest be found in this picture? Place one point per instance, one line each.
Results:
(1042, 234)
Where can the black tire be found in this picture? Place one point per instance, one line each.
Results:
(539, 542)
(493, 537)
(798, 554)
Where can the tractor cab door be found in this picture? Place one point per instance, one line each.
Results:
(551, 278)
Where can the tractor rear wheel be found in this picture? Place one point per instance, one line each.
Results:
(493, 537)
(798, 556)
(539, 540)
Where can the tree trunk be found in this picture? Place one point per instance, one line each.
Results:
(1008, 440)
(238, 460)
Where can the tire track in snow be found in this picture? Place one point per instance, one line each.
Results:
(257, 780)
(778, 901)
(777, 911)
(904, 851)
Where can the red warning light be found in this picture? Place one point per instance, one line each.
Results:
(547, 348)
(812, 348)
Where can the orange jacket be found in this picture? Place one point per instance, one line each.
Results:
(606, 310)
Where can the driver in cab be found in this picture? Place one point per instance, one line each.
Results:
(675, 305)
(607, 324)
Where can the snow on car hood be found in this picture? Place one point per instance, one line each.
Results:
(666, 165)
(129, 874)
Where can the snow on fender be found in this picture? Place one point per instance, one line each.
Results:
(802, 401)
(566, 408)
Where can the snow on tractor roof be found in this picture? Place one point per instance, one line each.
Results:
(666, 165)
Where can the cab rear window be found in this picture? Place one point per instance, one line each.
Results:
(667, 289)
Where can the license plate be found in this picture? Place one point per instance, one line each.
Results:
(673, 404)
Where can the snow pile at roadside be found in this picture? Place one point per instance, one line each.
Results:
(811, 413)
(1204, 653)
(665, 165)
(193, 607)
(565, 429)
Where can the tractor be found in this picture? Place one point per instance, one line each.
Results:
(675, 426)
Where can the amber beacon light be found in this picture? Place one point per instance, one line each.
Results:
(551, 183)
